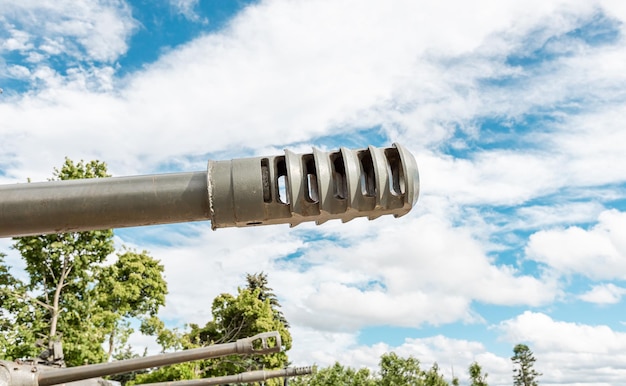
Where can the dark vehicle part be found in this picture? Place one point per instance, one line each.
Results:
(290, 188)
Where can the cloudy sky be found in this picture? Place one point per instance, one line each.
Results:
(514, 111)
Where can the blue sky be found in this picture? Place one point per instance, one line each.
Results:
(513, 110)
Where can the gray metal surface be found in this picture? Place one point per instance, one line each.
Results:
(102, 203)
(247, 377)
(265, 343)
(317, 187)
(25, 374)
(30, 374)
(286, 189)
(14, 374)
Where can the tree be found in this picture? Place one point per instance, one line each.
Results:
(432, 377)
(259, 281)
(71, 293)
(62, 269)
(132, 287)
(476, 375)
(336, 375)
(16, 337)
(395, 370)
(234, 317)
(524, 373)
(123, 350)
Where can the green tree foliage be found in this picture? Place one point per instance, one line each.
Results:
(259, 281)
(170, 341)
(393, 370)
(477, 378)
(62, 269)
(433, 377)
(123, 351)
(234, 317)
(336, 375)
(71, 293)
(132, 287)
(181, 371)
(16, 338)
(396, 370)
(524, 373)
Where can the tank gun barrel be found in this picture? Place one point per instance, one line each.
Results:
(247, 377)
(290, 188)
(101, 203)
(265, 343)
(24, 374)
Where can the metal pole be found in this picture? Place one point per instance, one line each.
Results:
(285, 189)
(247, 377)
(269, 343)
(102, 203)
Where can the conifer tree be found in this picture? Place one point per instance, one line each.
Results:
(524, 373)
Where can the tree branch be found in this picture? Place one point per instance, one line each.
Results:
(37, 301)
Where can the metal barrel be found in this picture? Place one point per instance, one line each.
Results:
(247, 377)
(102, 203)
(265, 343)
(285, 189)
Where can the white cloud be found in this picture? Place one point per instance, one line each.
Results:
(17, 40)
(583, 150)
(598, 253)
(341, 307)
(296, 81)
(288, 72)
(566, 353)
(540, 216)
(604, 294)
(404, 273)
(457, 354)
(495, 177)
(86, 30)
(18, 72)
(407, 272)
(592, 143)
(13, 259)
(186, 8)
(452, 355)
(200, 264)
(323, 348)
(569, 353)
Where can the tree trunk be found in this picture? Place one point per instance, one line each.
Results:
(54, 319)
(111, 343)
